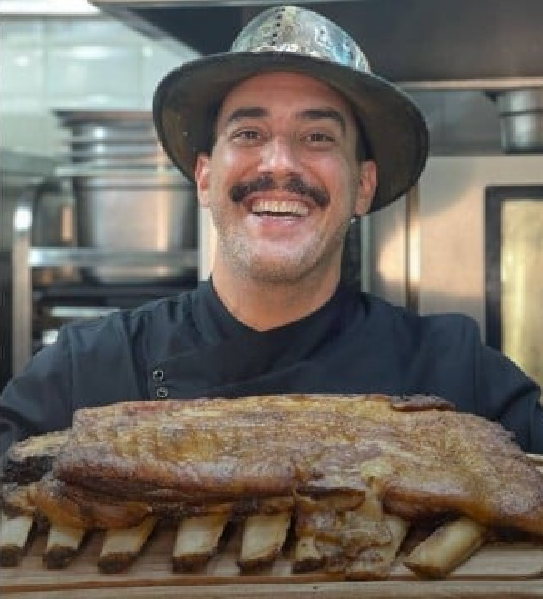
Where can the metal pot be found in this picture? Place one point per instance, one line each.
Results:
(127, 194)
(112, 139)
(142, 211)
(521, 120)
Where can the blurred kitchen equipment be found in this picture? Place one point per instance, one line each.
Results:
(53, 214)
(449, 256)
(20, 175)
(112, 139)
(111, 225)
(144, 211)
(127, 194)
(53, 226)
(521, 120)
(517, 281)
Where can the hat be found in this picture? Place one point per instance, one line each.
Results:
(294, 39)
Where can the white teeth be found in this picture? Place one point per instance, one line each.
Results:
(280, 206)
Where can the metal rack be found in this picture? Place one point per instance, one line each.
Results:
(25, 258)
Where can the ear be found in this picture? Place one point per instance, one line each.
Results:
(366, 187)
(201, 175)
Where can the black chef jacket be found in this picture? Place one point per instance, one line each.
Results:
(190, 346)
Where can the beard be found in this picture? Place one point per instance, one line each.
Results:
(267, 261)
(280, 265)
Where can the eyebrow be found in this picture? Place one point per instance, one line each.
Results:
(246, 112)
(311, 114)
(315, 114)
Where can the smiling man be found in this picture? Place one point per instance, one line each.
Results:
(282, 182)
(288, 136)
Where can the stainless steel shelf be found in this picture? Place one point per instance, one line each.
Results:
(25, 258)
(32, 166)
(39, 257)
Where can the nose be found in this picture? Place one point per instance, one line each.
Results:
(279, 156)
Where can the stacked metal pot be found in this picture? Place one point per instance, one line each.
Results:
(521, 120)
(128, 196)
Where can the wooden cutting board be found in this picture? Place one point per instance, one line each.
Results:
(495, 563)
(453, 589)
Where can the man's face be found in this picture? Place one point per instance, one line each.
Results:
(283, 180)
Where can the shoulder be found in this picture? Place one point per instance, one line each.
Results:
(158, 315)
(399, 320)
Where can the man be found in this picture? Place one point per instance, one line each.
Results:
(288, 137)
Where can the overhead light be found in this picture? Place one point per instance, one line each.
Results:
(47, 7)
(22, 219)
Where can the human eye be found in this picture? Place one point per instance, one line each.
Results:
(246, 136)
(319, 138)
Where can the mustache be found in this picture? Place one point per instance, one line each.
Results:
(294, 184)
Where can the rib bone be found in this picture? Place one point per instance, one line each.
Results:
(13, 536)
(263, 539)
(446, 548)
(307, 557)
(63, 543)
(197, 540)
(375, 562)
(121, 547)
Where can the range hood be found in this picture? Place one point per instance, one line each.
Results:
(458, 59)
(477, 44)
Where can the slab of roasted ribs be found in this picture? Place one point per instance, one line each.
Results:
(345, 476)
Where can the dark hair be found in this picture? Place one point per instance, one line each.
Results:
(211, 117)
(363, 148)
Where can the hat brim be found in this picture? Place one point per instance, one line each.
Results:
(394, 128)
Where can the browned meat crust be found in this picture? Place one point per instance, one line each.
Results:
(28, 460)
(420, 458)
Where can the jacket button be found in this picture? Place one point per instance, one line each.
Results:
(158, 374)
(162, 392)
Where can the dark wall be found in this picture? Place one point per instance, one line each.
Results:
(405, 40)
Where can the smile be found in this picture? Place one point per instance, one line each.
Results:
(279, 208)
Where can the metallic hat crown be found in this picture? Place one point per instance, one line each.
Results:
(296, 40)
(300, 31)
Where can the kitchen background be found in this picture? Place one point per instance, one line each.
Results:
(84, 60)
(69, 57)
(80, 166)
